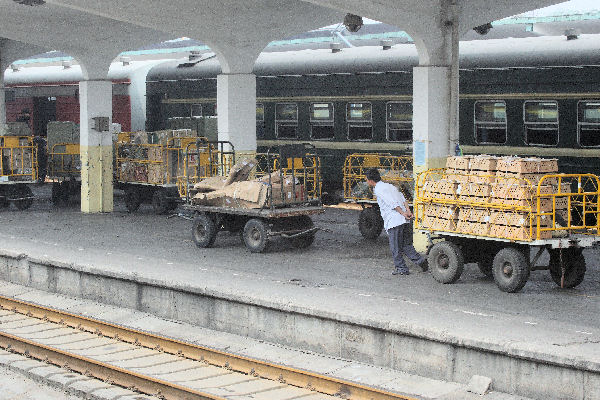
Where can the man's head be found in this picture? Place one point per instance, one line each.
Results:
(373, 177)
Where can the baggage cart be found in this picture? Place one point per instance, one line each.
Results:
(18, 169)
(64, 170)
(283, 213)
(496, 222)
(149, 170)
(396, 170)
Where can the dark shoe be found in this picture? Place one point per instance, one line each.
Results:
(424, 266)
(398, 272)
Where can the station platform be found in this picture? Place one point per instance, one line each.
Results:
(336, 299)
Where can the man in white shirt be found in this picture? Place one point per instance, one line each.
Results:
(396, 214)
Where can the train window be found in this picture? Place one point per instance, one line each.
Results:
(490, 122)
(359, 119)
(321, 121)
(399, 121)
(541, 122)
(196, 110)
(286, 120)
(209, 109)
(588, 123)
(260, 120)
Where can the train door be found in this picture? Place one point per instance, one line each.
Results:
(44, 111)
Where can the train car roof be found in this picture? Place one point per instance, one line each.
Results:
(531, 52)
(52, 74)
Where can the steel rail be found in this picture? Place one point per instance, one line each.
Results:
(256, 368)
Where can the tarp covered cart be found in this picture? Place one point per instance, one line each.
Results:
(18, 169)
(494, 213)
(148, 166)
(278, 203)
(396, 170)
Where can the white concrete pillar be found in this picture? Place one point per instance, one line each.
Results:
(95, 100)
(236, 110)
(431, 121)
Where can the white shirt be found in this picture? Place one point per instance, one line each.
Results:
(388, 198)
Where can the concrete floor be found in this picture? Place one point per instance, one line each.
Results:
(339, 258)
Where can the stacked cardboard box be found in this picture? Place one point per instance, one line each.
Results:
(489, 184)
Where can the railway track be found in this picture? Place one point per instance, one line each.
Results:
(160, 366)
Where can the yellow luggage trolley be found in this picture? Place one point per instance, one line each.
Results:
(18, 168)
(64, 170)
(496, 220)
(149, 172)
(396, 170)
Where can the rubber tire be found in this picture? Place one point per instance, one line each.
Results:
(132, 200)
(370, 223)
(204, 231)
(256, 235)
(22, 191)
(517, 278)
(302, 222)
(160, 203)
(574, 267)
(446, 262)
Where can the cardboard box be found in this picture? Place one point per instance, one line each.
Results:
(157, 174)
(241, 170)
(479, 215)
(484, 164)
(438, 224)
(528, 165)
(459, 162)
(440, 211)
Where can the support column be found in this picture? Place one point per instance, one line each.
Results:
(236, 110)
(95, 100)
(3, 126)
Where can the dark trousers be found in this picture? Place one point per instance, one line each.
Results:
(401, 244)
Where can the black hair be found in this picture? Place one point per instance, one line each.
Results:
(373, 175)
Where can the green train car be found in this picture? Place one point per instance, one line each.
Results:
(536, 96)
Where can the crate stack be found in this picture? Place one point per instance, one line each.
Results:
(493, 196)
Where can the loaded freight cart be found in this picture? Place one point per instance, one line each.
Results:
(148, 166)
(494, 211)
(396, 170)
(18, 169)
(277, 204)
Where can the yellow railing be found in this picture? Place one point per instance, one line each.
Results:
(64, 160)
(18, 158)
(201, 160)
(396, 170)
(307, 169)
(507, 207)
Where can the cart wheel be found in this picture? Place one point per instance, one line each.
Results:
(511, 269)
(132, 200)
(256, 236)
(204, 231)
(370, 223)
(302, 222)
(446, 262)
(574, 263)
(21, 191)
(160, 201)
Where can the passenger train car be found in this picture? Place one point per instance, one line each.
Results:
(528, 96)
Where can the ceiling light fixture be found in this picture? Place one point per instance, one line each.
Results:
(30, 2)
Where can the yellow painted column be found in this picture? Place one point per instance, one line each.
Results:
(96, 152)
